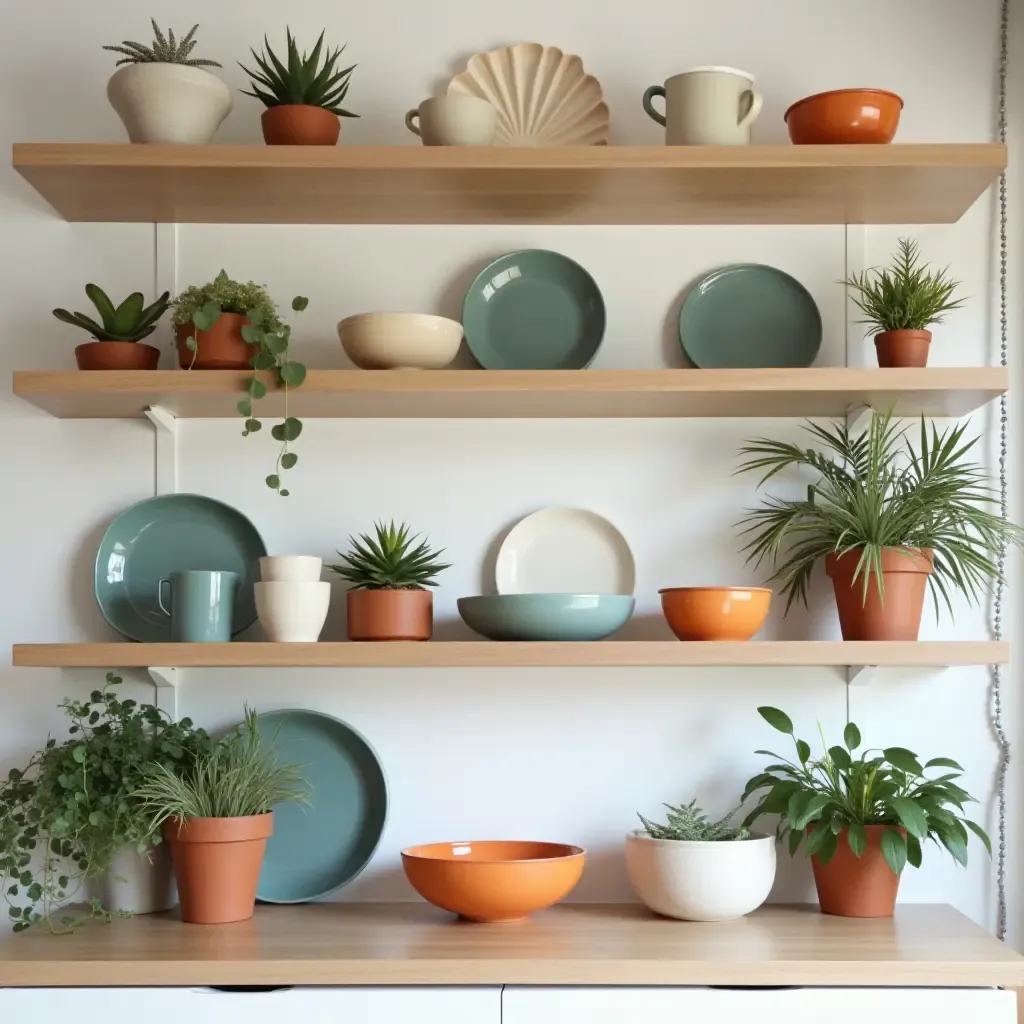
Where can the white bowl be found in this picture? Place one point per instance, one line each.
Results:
(292, 613)
(701, 881)
(290, 569)
(400, 341)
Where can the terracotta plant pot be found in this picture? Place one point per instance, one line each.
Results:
(903, 348)
(850, 886)
(297, 124)
(220, 348)
(390, 614)
(116, 355)
(217, 864)
(897, 615)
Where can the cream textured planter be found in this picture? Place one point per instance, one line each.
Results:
(292, 613)
(136, 884)
(701, 881)
(169, 102)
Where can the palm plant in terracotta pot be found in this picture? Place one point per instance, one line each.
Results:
(389, 574)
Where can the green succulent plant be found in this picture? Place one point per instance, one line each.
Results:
(127, 322)
(390, 561)
(304, 80)
(689, 824)
(165, 50)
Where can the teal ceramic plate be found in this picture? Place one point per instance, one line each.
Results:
(533, 310)
(747, 316)
(317, 849)
(546, 616)
(168, 534)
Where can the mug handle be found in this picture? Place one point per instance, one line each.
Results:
(409, 118)
(755, 108)
(160, 595)
(655, 90)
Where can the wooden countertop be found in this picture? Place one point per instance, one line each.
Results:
(571, 944)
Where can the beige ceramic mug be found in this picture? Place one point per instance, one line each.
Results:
(454, 121)
(711, 106)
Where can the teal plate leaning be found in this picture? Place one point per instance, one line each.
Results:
(315, 850)
(748, 316)
(533, 310)
(172, 533)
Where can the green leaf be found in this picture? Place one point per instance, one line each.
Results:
(277, 432)
(207, 316)
(943, 762)
(253, 425)
(63, 881)
(284, 492)
(273, 481)
(795, 836)
(244, 407)
(255, 318)
(276, 344)
(851, 736)
(828, 847)
(776, 719)
(191, 344)
(913, 851)
(979, 832)
(903, 759)
(127, 314)
(292, 373)
(811, 811)
(288, 460)
(263, 361)
(840, 758)
(79, 754)
(803, 751)
(894, 850)
(911, 816)
(856, 838)
(252, 335)
(257, 389)
(291, 428)
(299, 303)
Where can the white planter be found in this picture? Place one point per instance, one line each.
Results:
(292, 613)
(290, 569)
(169, 102)
(136, 884)
(701, 881)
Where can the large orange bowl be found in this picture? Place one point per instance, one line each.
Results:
(715, 613)
(493, 880)
(845, 117)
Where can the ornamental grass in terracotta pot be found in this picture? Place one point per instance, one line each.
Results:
(390, 574)
(885, 517)
(861, 819)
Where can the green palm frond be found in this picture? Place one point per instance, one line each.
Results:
(127, 322)
(390, 561)
(165, 50)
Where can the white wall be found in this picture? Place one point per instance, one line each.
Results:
(564, 755)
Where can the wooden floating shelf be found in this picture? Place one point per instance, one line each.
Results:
(825, 391)
(903, 184)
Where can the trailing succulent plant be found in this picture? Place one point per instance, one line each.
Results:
(127, 322)
(303, 80)
(165, 50)
(688, 823)
(390, 561)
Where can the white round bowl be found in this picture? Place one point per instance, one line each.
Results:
(292, 613)
(290, 569)
(701, 881)
(400, 341)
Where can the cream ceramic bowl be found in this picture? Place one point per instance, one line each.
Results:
(400, 341)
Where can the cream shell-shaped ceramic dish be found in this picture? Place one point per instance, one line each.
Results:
(543, 96)
(400, 341)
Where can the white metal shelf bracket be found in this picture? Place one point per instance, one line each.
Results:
(165, 457)
(860, 676)
(166, 681)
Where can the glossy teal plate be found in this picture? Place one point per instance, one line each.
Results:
(748, 316)
(533, 310)
(172, 533)
(317, 849)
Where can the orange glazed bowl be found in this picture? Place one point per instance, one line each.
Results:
(493, 880)
(845, 117)
(715, 613)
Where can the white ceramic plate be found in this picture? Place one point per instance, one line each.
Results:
(565, 551)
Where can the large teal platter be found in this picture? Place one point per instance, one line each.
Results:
(317, 849)
(172, 533)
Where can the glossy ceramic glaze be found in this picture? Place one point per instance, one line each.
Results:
(534, 310)
(493, 880)
(386, 615)
(290, 569)
(292, 613)
(454, 120)
(200, 604)
(116, 355)
(903, 348)
(546, 616)
(851, 886)
(747, 316)
(315, 850)
(715, 613)
(400, 341)
(222, 347)
(845, 117)
(172, 533)
(299, 124)
(709, 106)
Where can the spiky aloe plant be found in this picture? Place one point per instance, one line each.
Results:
(689, 824)
(126, 322)
(165, 50)
(390, 561)
(303, 81)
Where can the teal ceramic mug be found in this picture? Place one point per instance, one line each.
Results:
(202, 603)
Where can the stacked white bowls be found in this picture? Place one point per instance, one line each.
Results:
(291, 601)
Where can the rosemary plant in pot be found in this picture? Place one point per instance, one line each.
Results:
(861, 818)
(886, 519)
(697, 869)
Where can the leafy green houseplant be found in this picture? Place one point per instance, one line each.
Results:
(66, 815)
(164, 50)
(885, 518)
(389, 574)
(900, 302)
(862, 818)
(689, 824)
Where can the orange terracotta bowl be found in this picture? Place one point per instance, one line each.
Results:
(493, 880)
(845, 117)
(715, 613)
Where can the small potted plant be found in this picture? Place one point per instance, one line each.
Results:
(164, 95)
(116, 343)
(861, 819)
(884, 518)
(216, 812)
(389, 576)
(302, 95)
(697, 869)
(901, 302)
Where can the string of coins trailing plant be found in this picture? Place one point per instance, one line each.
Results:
(66, 815)
(689, 824)
(165, 50)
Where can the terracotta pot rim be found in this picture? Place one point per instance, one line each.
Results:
(390, 590)
(134, 344)
(840, 92)
(294, 106)
(904, 332)
(572, 852)
(244, 828)
(918, 560)
(638, 835)
(732, 590)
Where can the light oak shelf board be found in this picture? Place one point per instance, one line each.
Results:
(902, 184)
(521, 394)
(571, 944)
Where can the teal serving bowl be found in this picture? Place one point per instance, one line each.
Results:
(546, 616)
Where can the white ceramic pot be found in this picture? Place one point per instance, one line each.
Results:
(400, 341)
(701, 881)
(137, 884)
(292, 613)
(290, 569)
(169, 102)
